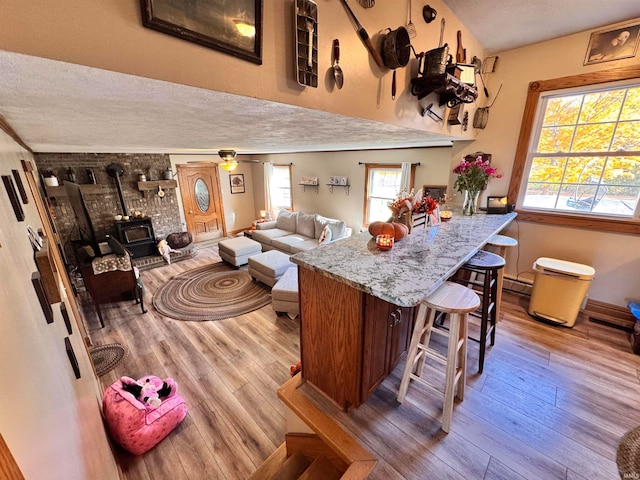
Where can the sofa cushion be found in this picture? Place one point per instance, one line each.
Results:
(304, 246)
(287, 242)
(305, 224)
(338, 227)
(286, 220)
(267, 236)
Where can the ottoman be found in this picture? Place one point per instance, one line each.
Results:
(269, 266)
(237, 251)
(284, 295)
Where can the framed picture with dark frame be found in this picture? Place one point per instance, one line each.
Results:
(613, 43)
(234, 27)
(237, 182)
(13, 197)
(437, 192)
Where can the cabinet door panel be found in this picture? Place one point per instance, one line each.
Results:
(375, 362)
(400, 335)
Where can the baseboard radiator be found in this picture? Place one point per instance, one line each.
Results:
(596, 311)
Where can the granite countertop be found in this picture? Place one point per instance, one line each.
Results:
(414, 267)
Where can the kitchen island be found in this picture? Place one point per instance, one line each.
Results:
(357, 302)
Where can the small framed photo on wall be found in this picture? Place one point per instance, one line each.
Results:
(237, 182)
(613, 44)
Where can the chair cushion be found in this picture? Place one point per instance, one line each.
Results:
(287, 220)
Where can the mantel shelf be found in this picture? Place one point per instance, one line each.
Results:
(87, 189)
(155, 184)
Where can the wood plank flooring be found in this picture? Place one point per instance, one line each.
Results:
(552, 403)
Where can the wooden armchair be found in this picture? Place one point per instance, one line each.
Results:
(109, 277)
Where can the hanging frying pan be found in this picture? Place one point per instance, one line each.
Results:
(481, 116)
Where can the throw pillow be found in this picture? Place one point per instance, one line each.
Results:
(286, 220)
(338, 227)
(325, 236)
(305, 224)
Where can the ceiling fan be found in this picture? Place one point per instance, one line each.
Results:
(229, 161)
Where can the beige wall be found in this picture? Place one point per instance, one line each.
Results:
(433, 170)
(616, 257)
(50, 421)
(110, 35)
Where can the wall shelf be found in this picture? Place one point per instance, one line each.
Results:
(304, 185)
(87, 189)
(154, 184)
(331, 185)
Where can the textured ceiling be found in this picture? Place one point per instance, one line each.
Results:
(506, 24)
(60, 107)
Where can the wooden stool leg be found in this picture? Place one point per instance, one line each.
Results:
(498, 297)
(450, 380)
(425, 338)
(413, 351)
(462, 356)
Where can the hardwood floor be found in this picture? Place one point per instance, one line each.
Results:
(552, 403)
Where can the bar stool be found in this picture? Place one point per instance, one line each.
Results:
(457, 301)
(501, 242)
(487, 265)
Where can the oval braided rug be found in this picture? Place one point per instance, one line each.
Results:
(212, 292)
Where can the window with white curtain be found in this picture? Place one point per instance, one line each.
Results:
(383, 185)
(280, 187)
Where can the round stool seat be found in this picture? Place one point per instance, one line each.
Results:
(453, 298)
(502, 241)
(484, 260)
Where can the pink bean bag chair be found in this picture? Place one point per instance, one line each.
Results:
(140, 413)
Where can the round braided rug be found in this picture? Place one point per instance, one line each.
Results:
(628, 457)
(107, 357)
(212, 292)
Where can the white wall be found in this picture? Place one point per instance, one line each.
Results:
(50, 421)
(616, 257)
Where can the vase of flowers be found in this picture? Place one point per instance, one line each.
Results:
(473, 176)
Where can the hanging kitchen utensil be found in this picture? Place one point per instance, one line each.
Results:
(306, 40)
(367, 3)
(364, 36)
(160, 192)
(441, 32)
(429, 13)
(337, 71)
(481, 117)
(477, 69)
(396, 50)
(411, 28)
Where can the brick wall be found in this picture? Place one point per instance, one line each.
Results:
(102, 208)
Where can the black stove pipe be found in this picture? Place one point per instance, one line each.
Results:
(115, 170)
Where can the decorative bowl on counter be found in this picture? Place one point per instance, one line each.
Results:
(384, 242)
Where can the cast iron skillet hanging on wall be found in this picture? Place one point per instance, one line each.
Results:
(396, 50)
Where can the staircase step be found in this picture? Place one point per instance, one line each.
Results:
(292, 467)
(271, 465)
(321, 469)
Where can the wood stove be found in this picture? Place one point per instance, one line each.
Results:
(137, 235)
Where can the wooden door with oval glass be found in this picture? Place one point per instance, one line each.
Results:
(200, 192)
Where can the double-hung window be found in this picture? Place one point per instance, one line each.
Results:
(581, 160)
(382, 186)
(280, 187)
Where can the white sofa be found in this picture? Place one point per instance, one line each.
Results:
(294, 232)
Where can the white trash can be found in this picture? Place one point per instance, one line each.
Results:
(559, 289)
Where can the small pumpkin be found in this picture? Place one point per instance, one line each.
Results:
(397, 230)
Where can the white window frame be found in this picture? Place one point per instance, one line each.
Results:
(369, 169)
(274, 206)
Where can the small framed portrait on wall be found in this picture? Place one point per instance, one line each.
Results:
(237, 182)
(613, 44)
